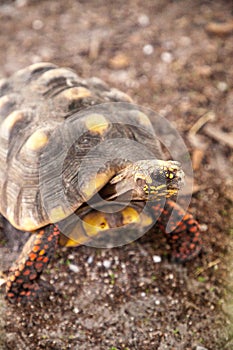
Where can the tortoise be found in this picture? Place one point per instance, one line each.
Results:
(51, 120)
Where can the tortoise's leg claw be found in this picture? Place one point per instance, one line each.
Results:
(183, 233)
(23, 279)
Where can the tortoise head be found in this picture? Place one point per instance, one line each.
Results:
(149, 180)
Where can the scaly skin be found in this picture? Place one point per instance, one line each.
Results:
(22, 282)
(183, 233)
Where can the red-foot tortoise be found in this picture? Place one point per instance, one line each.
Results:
(64, 141)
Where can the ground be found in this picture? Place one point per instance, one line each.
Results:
(176, 58)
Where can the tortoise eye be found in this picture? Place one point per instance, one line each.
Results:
(83, 140)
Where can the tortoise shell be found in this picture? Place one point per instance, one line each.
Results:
(49, 125)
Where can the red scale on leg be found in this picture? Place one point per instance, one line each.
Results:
(183, 233)
(23, 278)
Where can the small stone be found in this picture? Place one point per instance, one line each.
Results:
(37, 24)
(157, 259)
(157, 302)
(148, 49)
(76, 310)
(70, 257)
(107, 264)
(143, 20)
(90, 260)
(170, 276)
(203, 227)
(166, 57)
(222, 86)
(200, 348)
(143, 294)
(74, 268)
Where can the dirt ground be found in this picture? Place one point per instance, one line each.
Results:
(176, 57)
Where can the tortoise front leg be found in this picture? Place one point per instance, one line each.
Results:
(22, 280)
(183, 233)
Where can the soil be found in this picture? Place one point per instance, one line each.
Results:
(176, 58)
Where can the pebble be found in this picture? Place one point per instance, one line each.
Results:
(200, 348)
(166, 57)
(70, 257)
(37, 24)
(107, 264)
(90, 260)
(157, 259)
(143, 20)
(222, 86)
(74, 268)
(170, 276)
(148, 49)
(203, 227)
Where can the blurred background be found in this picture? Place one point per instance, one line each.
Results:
(175, 57)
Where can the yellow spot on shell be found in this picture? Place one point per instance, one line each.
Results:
(37, 140)
(96, 123)
(76, 93)
(143, 119)
(4, 100)
(27, 224)
(94, 223)
(95, 184)
(9, 122)
(57, 214)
